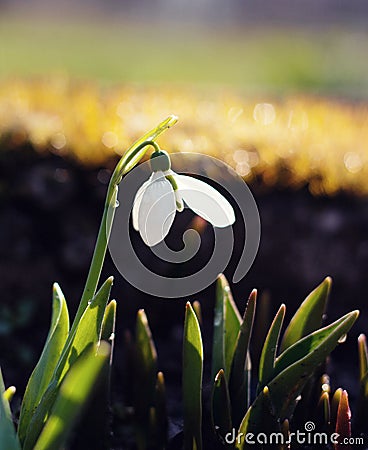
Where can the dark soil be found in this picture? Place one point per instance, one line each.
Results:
(50, 210)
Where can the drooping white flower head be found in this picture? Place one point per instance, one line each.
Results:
(165, 192)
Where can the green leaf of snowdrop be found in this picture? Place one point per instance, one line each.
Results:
(308, 317)
(268, 355)
(72, 396)
(44, 370)
(192, 380)
(145, 376)
(88, 330)
(239, 383)
(226, 328)
(221, 409)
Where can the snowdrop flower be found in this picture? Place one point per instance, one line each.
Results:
(166, 192)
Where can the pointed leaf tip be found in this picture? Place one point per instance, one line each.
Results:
(8, 437)
(270, 346)
(308, 317)
(160, 377)
(192, 380)
(171, 120)
(343, 420)
(142, 314)
(219, 375)
(9, 393)
(220, 406)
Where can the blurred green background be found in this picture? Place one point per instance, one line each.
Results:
(254, 56)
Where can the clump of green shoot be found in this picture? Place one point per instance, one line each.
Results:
(288, 369)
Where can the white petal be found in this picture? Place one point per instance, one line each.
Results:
(137, 202)
(156, 210)
(205, 201)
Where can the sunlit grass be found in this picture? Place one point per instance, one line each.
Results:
(291, 141)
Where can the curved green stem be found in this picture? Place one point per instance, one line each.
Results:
(130, 158)
(120, 168)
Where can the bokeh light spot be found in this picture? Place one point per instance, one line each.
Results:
(109, 139)
(353, 162)
(264, 113)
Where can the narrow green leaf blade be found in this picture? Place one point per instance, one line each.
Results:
(159, 417)
(192, 380)
(146, 350)
(218, 344)
(242, 344)
(227, 322)
(109, 320)
(108, 326)
(221, 409)
(363, 356)
(239, 383)
(240, 402)
(94, 429)
(43, 372)
(8, 438)
(145, 375)
(40, 415)
(72, 396)
(360, 416)
(308, 317)
(268, 355)
(232, 325)
(88, 330)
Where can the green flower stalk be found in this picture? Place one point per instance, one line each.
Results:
(128, 161)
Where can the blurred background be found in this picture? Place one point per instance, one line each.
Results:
(277, 89)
